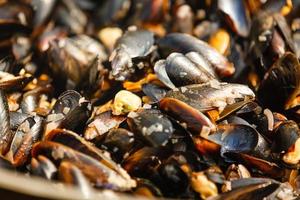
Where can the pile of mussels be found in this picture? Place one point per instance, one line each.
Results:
(162, 98)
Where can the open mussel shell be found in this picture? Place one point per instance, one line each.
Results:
(211, 96)
(27, 134)
(152, 127)
(101, 124)
(96, 172)
(74, 141)
(238, 138)
(281, 84)
(70, 111)
(69, 99)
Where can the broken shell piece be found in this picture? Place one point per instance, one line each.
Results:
(126, 102)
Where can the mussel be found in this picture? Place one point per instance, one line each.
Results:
(183, 43)
(132, 44)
